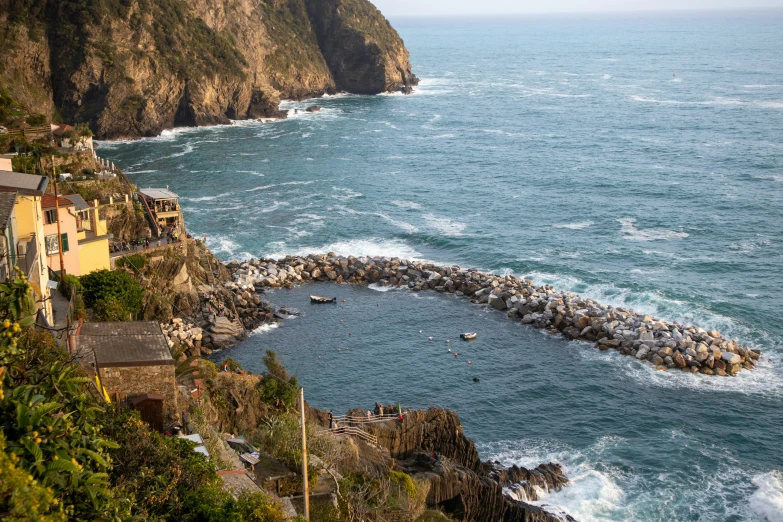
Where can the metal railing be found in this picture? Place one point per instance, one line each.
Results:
(354, 432)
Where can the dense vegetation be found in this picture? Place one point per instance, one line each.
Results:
(114, 295)
(67, 455)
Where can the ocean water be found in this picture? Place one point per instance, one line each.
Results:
(560, 148)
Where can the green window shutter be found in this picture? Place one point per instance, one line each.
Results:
(65, 242)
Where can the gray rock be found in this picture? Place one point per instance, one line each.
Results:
(497, 302)
(642, 353)
(732, 358)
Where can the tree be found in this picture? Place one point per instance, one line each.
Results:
(113, 294)
(82, 133)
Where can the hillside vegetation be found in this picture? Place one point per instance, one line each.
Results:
(135, 67)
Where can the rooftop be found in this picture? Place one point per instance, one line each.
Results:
(47, 201)
(237, 482)
(78, 201)
(158, 193)
(26, 184)
(124, 344)
(7, 202)
(62, 128)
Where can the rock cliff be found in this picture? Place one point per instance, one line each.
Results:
(133, 68)
(459, 483)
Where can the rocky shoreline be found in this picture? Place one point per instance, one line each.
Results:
(458, 482)
(667, 345)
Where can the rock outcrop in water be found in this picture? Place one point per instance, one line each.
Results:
(134, 68)
(459, 483)
(665, 344)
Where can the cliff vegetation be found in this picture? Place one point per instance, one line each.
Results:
(132, 68)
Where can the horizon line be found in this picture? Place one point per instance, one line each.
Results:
(598, 12)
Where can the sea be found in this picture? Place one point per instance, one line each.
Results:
(635, 159)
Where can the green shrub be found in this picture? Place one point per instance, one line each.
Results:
(36, 120)
(279, 389)
(113, 294)
(135, 262)
(71, 282)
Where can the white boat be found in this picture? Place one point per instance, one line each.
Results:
(468, 336)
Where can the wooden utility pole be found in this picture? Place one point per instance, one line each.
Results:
(57, 216)
(304, 455)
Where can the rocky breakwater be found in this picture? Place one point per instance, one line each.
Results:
(667, 345)
(225, 318)
(459, 483)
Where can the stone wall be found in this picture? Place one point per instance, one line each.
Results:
(131, 381)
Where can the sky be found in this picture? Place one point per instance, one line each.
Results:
(495, 7)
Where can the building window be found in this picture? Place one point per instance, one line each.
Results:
(50, 216)
(51, 244)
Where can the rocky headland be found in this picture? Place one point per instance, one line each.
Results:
(667, 345)
(457, 481)
(135, 68)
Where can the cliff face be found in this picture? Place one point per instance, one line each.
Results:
(136, 67)
(459, 483)
(363, 51)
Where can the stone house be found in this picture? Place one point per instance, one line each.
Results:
(131, 359)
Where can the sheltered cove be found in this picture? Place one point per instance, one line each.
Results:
(667, 345)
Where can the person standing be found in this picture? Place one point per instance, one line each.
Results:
(331, 420)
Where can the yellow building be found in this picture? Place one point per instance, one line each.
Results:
(93, 236)
(83, 235)
(30, 247)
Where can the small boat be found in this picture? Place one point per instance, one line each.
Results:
(468, 336)
(322, 300)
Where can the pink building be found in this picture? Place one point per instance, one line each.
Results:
(68, 232)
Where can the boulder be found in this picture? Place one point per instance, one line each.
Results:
(731, 358)
(679, 360)
(497, 302)
(642, 353)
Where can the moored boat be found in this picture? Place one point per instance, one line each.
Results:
(322, 300)
(468, 336)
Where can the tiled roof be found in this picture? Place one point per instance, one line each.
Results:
(7, 202)
(124, 344)
(47, 201)
(63, 127)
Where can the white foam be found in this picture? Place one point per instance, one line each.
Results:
(275, 205)
(372, 246)
(406, 204)
(718, 101)
(141, 171)
(591, 495)
(767, 501)
(265, 328)
(575, 226)
(345, 194)
(207, 198)
(223, 244)
(379, 288)
(634, 234)
(445, 226)
(607, 76)
(187, 149)
(252, 172)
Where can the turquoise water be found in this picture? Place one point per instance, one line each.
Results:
(566, 150)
